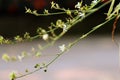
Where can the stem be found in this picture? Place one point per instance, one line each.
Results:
(68, 47)
(74, 42)
(93, 29)
(79, 20)
(80, 38)
(50, 14)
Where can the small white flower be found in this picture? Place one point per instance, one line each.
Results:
(20, 57)
(64, 28)
(94, 1)
(62, 47)
(78, 5)
(45, 36)
(81, 14)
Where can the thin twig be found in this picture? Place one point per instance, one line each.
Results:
(74, 42)
(67, 48)
(114, 27)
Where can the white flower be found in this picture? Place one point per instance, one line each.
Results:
(78, 5)
(94, 1)
(81, 14)
(64, 28)
(62, 47)
(45, 36)
(20, 57)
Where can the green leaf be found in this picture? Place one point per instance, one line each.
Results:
(12, 76)
(26, 70)
(46, 11)
(6, 57)
(13, 58)
(37, 54)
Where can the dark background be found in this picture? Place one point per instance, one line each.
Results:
(14, 21)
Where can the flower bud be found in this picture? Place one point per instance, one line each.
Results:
(45, 36)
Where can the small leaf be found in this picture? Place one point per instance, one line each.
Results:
(57, 6)
(12, 76)
(13, 58)
(28, 10)
(26, 70)
(6, 57)
(46, 11)
(52, 4)
(37, 65)
(38, 54)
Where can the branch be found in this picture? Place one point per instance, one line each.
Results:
(67, 48)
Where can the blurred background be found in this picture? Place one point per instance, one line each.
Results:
(94, 58)
(14, 21)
